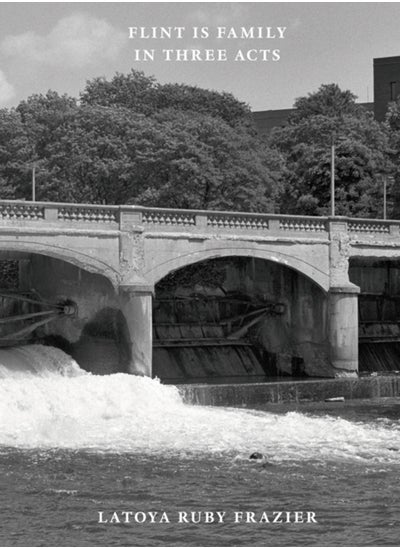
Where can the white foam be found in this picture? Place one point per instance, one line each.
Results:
(37, 360)
(61, 406)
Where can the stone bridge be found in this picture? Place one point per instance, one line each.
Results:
(134, 247)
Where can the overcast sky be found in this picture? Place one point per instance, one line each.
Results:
(60, 45)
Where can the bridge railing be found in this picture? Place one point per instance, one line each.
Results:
(100, 217)
(11, 210)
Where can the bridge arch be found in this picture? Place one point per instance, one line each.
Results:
(284, 258)
(54, 273)
(246, 319)
(69, 255)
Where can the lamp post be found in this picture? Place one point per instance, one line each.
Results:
(384, 197)
(387, 182)
(34, 183)
(333, 177)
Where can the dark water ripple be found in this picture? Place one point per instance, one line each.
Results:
(53, 498)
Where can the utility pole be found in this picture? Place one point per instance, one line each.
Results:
(384, 197)
(388, 183)
(34, 184)
(333, 178)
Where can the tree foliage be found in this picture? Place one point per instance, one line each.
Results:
(326, 117)
(144, 95)
(132, 140)
(15, 155)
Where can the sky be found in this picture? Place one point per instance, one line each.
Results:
(60, 46)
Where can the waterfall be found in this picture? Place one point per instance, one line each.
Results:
(47, 401)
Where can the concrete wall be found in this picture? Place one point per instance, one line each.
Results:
(301, 393)
(299, 333)
(376, 276)
(302, 330)
(94, 335)
(379, 281)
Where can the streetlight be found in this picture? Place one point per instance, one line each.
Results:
(335, 138)
(333, 177)
(389, 179)
(34, 183)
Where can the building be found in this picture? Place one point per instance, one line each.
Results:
(386, 89)
(386, 84)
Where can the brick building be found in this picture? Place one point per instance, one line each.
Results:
(386, 89)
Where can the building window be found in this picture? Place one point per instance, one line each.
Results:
(393, 91)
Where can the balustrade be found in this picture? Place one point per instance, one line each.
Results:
(154, 219)
(370, 227)
(19, 211)
(226, 220)
(87, 214)
(168, 218)
(303, 224)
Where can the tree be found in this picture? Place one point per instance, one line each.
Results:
(15, 156)
(90, 157)
(132, 140)
(134, 91)
(197, 161)
(143, 94)
(27, 135)
(111, 155)
(328, 116)
(328, 101)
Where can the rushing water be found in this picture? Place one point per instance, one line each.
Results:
(73, 444)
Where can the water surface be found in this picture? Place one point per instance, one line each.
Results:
(74, 445)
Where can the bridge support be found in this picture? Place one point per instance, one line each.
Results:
(136, 306)
(343, 329)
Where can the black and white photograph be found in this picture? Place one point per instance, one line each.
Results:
(199, 274)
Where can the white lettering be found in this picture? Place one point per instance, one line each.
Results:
(311, 517)
(208, 517)
(164, 518)
(276, 55)
(194, 55)
(140, 517)
(201, 32)
(221, 516)
(114, 518)
(298, 517)
(163, 33)
(238, 517)
(281, 31)
(183, 517)
(277, 517)
(250, 517)
(127, 516)
(143, 54)
(101, 518)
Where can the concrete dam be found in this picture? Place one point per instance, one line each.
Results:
(201, 296)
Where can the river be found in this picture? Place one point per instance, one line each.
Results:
(78, 451)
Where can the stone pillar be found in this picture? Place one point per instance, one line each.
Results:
(136, 307)
(342, 303)
(343, 329)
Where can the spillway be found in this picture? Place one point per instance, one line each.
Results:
(47, 401)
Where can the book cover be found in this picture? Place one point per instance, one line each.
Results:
(199, 274)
